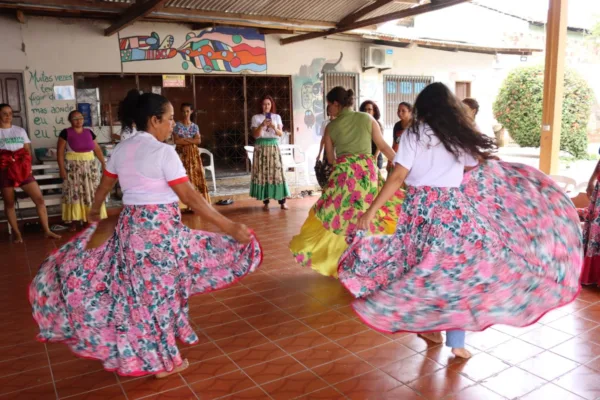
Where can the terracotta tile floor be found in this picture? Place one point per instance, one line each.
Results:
(286, 332)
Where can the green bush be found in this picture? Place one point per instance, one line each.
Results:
(519, 108)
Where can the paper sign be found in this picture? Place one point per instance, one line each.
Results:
(156, 89)
(173, 80)
(64, 92)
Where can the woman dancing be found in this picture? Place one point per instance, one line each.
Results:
(353, 184)
(126, 302)
(500, 246)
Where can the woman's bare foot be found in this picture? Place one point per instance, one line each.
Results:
(462, 353)
(284, 207)
(266, 207)
(52, 235)
(18, 237)
(183, 366)
(435, 337)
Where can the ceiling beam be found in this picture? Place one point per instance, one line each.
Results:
(137, 11)
(361, 12)
(410, 12)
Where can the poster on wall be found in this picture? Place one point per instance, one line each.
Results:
(173, 81)
(157, 89)
(86, 110)
(64, 92)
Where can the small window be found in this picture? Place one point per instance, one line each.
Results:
(398, 89)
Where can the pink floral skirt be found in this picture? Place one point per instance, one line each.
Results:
(126, 302)
(591, 240)
(504, 248)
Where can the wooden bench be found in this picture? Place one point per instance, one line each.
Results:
(45, 174)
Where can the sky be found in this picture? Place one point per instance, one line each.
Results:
(582, 13)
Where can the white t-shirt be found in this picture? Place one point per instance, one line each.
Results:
(267, 133)
(146, 169)
(428, 161)
(13, 138)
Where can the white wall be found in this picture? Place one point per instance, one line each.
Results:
(57, 48)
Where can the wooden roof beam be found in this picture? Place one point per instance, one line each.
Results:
(137, 11)
(410, 12)
(361, 12)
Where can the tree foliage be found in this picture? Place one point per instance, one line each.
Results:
(518, 108)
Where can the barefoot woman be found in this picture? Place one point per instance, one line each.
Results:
(15, 171)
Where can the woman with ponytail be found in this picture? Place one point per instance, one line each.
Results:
(126, 302)
(352, 187)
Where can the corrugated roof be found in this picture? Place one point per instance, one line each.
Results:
(310, 10)
(441, 44)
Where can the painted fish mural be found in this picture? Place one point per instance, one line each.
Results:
(219, 49)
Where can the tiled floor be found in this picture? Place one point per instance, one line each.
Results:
(286, 332)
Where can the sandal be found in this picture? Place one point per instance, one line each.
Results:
(227, 202)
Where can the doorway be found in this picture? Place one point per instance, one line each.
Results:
(225, 105)
(11, 93)
(463, 90)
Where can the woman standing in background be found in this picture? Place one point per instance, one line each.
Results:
(371, 108)
(15, 171)
(186, 136)
(77, 152)
(268, 177)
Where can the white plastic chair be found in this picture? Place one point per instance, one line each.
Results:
(250, 153)
(567, 184)
(288, 159)
(211, 167)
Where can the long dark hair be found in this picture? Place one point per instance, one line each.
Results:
(441, 110)
(273, 107)
(376, 112)
(139, 108)
(344, 97)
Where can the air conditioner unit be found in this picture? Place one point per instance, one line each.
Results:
(377, 57)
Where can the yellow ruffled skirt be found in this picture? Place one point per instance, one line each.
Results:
(353, 185)
(79, 189)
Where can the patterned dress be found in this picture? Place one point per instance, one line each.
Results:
(352, 187)
(591, 239)
(125, 303)
(268, 177)
(503, 248)
(83, 175)
(190, 157)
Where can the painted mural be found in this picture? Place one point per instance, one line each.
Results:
(219, 49)
(308, 94)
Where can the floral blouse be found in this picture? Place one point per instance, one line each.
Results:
(186, 132)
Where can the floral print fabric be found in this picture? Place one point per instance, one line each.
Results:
(353, 185)
(192, 162)
(504, 248)
(79, 189)
(331, 223)
(591, 240)
(268, 177)
(126, 302)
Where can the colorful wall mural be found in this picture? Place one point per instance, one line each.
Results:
(219, 49)
(308, 94)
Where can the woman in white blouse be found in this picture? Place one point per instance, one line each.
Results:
(268, 177)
